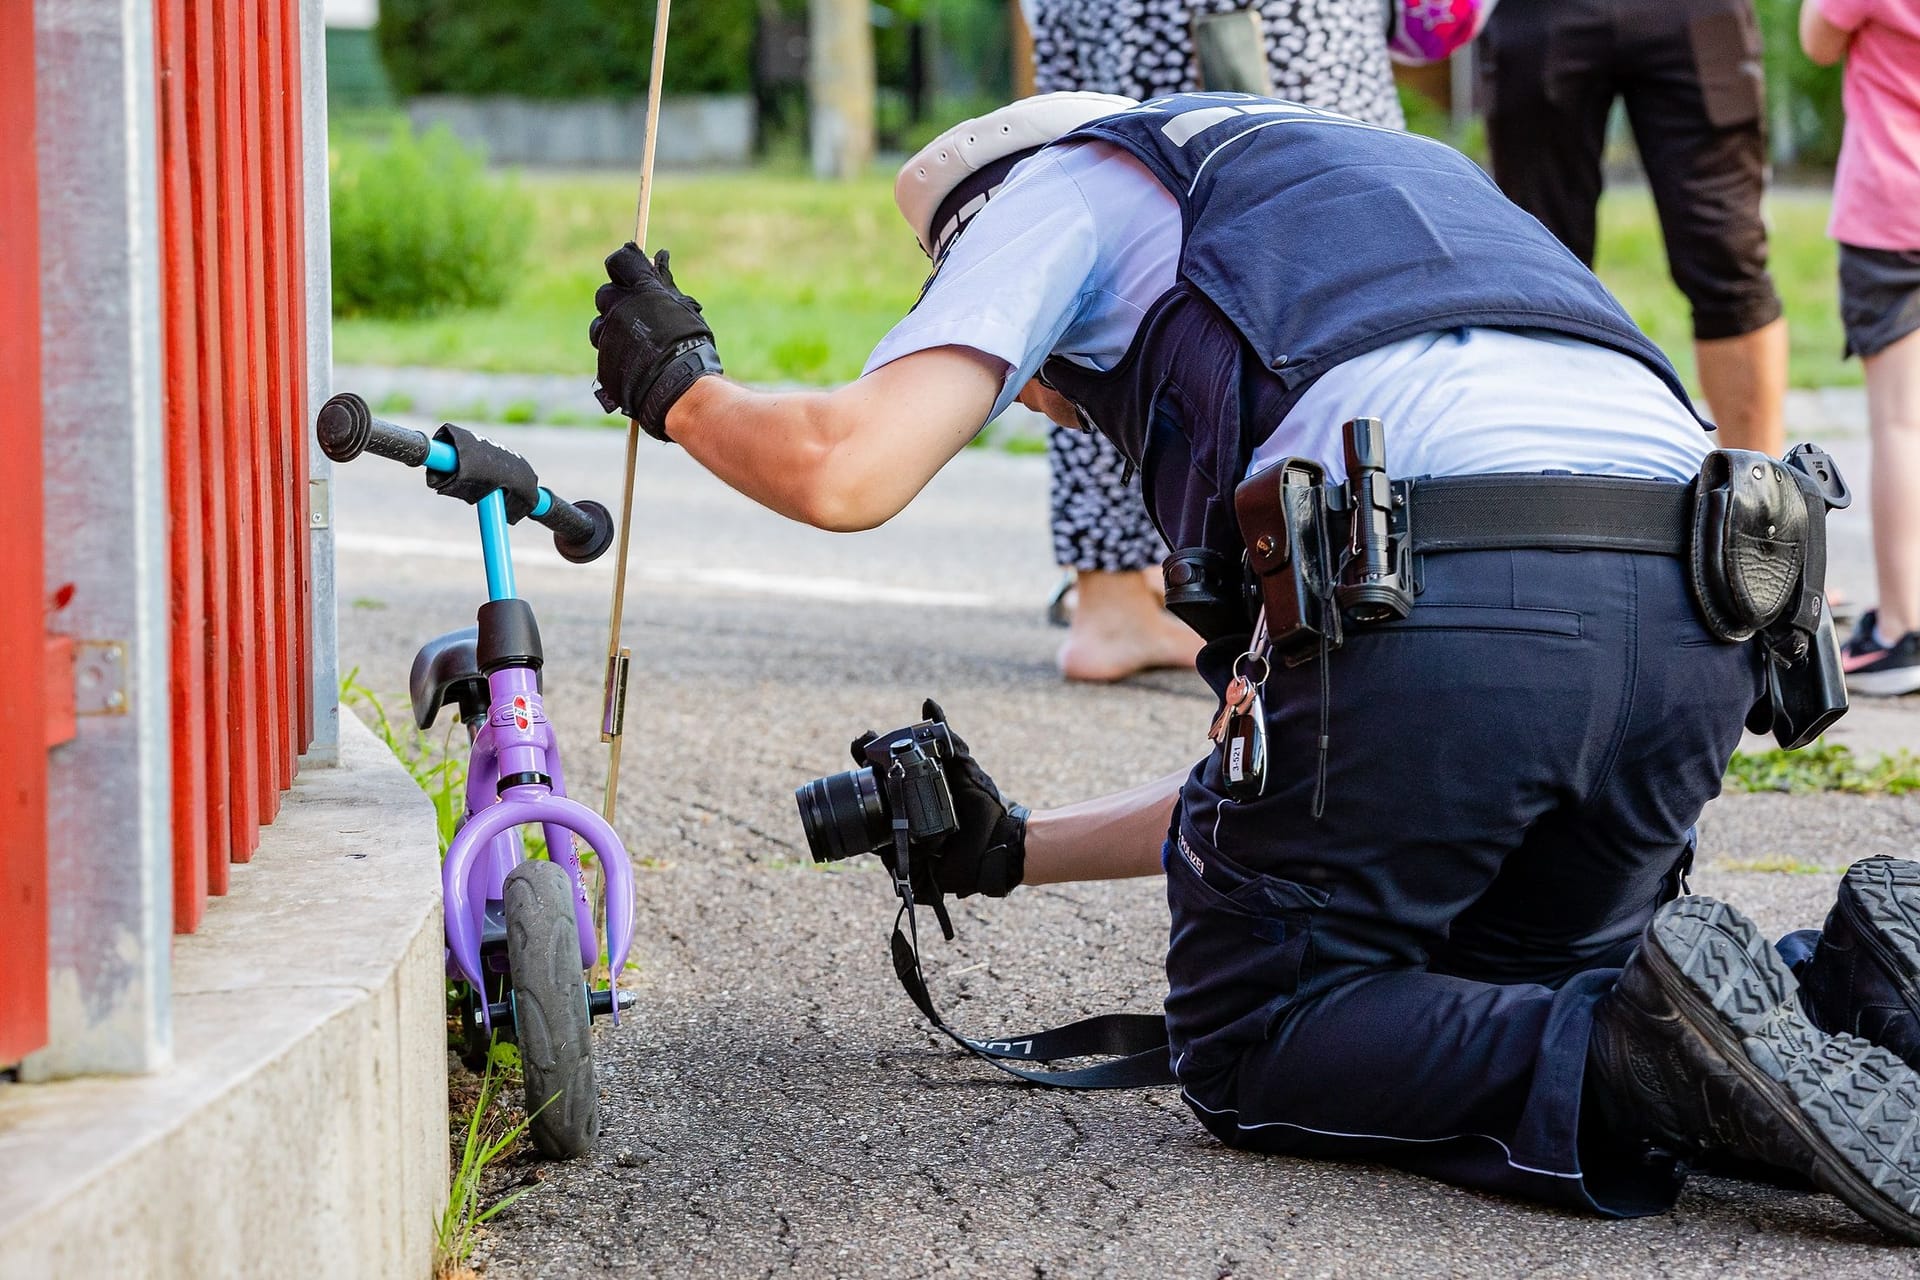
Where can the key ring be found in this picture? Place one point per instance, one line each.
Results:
(1241, 665)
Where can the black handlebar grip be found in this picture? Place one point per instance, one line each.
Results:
(581, 533)
(346, 429)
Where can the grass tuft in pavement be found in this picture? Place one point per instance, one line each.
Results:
(488, 1136)
(1780, 865)
(1824, 766)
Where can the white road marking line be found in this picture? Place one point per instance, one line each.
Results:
(740, 581)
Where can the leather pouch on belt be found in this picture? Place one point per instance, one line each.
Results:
(1749, 542)
(1281, 511)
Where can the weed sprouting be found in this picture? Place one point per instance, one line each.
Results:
(488, 1137)
(439, 770)
(1824, 766)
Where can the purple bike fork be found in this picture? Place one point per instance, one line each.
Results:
(516, 743)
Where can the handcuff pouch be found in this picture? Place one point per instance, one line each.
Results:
(1748, 542)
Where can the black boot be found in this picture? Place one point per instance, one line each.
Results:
(1864, 975)
(1701, 1046)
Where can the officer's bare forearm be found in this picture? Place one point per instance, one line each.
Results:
(768, 445)
(845, 459)
(1110, 838)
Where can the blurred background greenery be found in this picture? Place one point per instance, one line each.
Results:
(438, 261)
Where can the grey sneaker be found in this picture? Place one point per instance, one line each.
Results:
(1877, 670)
(1702, 1047)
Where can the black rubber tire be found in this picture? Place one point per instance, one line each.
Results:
(550, 1015)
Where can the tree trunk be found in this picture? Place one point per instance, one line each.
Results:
(1022, 51)
(840, 87)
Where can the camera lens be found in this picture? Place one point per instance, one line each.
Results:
(842, 815)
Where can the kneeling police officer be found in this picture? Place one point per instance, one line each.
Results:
(1505, 645)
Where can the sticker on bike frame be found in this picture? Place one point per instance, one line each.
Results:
(522, 713)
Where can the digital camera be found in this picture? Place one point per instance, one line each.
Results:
(900, 773)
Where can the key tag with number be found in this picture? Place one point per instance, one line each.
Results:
(1241, 726)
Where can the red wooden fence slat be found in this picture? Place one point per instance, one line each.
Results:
(299, 425)
(281, 380)
(23, 756)
(274, 772)
(246, 760)
(180, 412)
(203, 157)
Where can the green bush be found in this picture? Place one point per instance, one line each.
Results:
(419, 225)
(563, 48)
(1802, 98)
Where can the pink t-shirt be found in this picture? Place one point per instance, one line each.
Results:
(1876, 191)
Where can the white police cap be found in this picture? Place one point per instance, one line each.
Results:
(986, 146)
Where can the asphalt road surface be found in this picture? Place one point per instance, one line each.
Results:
(775, 1106)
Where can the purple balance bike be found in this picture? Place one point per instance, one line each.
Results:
(521, 936)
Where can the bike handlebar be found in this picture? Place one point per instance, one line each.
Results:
(581, 531)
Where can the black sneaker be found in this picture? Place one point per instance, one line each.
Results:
(1878, 670)
(1702, 1047)
(1864, 974)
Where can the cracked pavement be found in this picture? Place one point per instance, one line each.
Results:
(775, 1106)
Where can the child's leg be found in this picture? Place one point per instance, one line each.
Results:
(1893, 412)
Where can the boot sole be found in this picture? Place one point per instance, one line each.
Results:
(1854, 1107)
(1881, 897)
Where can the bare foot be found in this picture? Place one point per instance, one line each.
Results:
(1120, 627)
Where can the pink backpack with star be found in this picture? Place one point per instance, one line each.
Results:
(1430, 30)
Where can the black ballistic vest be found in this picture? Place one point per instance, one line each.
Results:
(1307, 239)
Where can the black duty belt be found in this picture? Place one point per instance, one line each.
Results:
(1536, 512)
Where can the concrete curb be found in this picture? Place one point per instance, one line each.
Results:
(302, 1128)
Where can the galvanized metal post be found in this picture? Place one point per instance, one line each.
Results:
(325, 666)
(110, 906)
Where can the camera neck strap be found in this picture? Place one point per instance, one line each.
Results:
(1134, 1044)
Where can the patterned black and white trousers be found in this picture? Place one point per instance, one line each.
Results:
(1324, 53)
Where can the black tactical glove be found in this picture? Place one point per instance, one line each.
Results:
(483, 467)
(652, 339)
(988, 853)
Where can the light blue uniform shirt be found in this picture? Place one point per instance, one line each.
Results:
(1081, 241)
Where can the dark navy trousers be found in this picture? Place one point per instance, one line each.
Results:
(1513, 773)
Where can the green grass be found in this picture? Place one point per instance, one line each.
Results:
(802, 278)
(1804, 263)
(489, 1133)
(799, 278)
(1824, 766)
(1779, 864)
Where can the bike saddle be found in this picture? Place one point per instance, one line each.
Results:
(445, 670)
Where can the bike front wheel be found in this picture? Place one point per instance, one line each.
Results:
(550, 1013)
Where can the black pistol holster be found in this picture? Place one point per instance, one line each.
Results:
(1757, 564)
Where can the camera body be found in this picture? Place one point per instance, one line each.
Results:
(899, 774)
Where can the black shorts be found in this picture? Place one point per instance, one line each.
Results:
(1879, 297)
(1689, 73)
